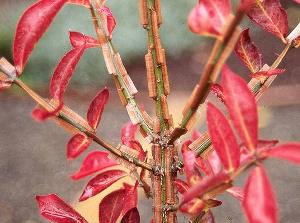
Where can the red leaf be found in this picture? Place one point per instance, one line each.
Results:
(259, 203)
(215, 162)
(248, 52)
(131, 195)
(189, 160)
(270, 16)
(128, 132)
(111, 206)
(56, 210)
(217, 90)
(77, 145)
(63, 73)
(236, 192)
(78, 39)
(110, 20)
(242, 108)
(84, 3)
(297, 1)
(132, 216)
(268, 73)
(181, 186)
(204, 186)
(138, 147)
(40, 114)
(102, 181)
(223, 139)
(97, 107)
(289, 152)
(185, 146)
(193, 207)
(31, 27)
(94, 162)
(209, 17)
(205, 166)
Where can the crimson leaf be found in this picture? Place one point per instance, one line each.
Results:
(259, 202)
(56, 210)
(32, 25)
(100, 182)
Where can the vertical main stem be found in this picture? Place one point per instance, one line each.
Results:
(158, 82)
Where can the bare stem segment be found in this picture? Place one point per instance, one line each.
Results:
(159, 89)
(123, 82)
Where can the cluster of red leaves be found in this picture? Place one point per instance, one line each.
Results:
(210, 17)
(206, 178)
(219, 171)
(30, 29)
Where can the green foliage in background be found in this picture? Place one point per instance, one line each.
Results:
(129, 37)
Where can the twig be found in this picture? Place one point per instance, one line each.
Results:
(159, 88)
(116, 68)
(80, 126)
(221, 51)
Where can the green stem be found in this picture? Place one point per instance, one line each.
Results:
(63, 116)
(128, 96)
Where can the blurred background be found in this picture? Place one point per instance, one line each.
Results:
(32, 155)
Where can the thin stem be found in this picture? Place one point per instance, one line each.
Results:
(258, 87)
(66, 118)
(114, 66)
(158, 84)
(221, 51)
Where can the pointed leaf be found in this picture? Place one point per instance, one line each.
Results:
(205, 185)
(131, 195)
(132, 216)
(189, 160)
(223, 139)
(77, 145)
(97, 107)
(84, 3)
(31, 27)
(193, 207)
(209, 17)
(289, 152)
(242, 108)
(78, 39)
(64, 71)
(270, 16)
(248, 52)
(102, 181)
(111, 206)
(214, 162)
(259, 202)
(110, 20)
(56, 210)
(185, 146)
(268, 73)
(39, 114)
(128, 132)
(181, 186)
(94, 162)
(205, 166)
(135, 145)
